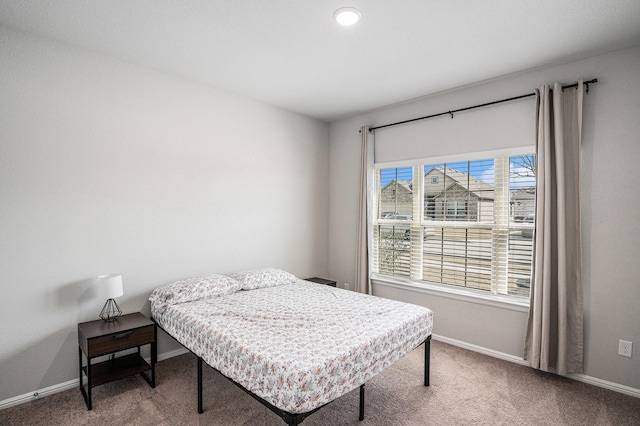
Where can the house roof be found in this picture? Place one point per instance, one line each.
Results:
(406, 184)
(479, 188)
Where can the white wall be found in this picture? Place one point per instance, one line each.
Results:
(610, 202)
(110, 167)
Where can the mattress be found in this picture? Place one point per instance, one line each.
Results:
(299, 345)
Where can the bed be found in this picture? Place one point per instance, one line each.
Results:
(292, 344)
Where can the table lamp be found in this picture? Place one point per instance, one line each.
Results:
(110, 286)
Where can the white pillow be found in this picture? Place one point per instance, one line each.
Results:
(266, 277)
(195, 288)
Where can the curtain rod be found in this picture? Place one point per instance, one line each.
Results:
(586, 83)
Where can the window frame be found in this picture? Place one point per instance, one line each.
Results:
(447, 290)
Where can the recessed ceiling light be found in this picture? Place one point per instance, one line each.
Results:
(347, 15)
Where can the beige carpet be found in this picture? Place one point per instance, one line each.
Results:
(466, 389)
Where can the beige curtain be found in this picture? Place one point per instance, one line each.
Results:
(555, 329)
(365, 211)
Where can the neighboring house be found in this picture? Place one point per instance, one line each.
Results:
(453, 195)
(522, 204)
(396, 200)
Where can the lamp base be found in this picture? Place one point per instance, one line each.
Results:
(110, 311)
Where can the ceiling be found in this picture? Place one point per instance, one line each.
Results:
(292, 54)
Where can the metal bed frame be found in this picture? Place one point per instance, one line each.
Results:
(290, 418)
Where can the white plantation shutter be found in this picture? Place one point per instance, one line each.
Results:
(393, 215)
(416, 230)
(464, 223)
(500, 235)
(522, 184)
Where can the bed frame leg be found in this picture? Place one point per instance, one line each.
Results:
(200, 410)
(427, 360)
(361, 416)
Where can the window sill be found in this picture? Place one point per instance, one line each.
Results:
(464, 294)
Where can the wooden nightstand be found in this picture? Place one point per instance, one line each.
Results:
(97, 338)
(322, 281)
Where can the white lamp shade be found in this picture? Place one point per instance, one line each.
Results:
(110, 286)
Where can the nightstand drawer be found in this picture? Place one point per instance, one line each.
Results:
(119, 341)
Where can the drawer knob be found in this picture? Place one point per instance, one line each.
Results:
(122, 335)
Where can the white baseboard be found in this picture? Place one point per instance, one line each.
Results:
(71, 384)
(627, 390)
(480, 349)
(21, 399)
(170, 354)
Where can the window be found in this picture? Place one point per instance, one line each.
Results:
(464, 223)
(457, 208)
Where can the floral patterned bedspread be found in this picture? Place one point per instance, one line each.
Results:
(297, 346)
